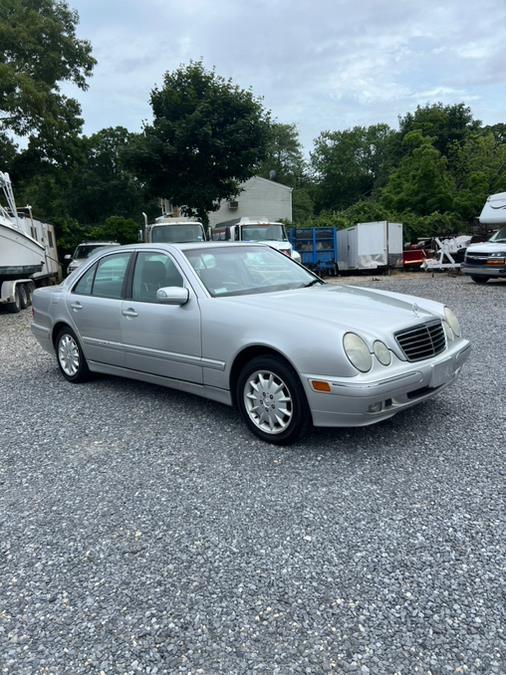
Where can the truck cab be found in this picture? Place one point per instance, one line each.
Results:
(488, 260)
(173, 230)
(259, 230)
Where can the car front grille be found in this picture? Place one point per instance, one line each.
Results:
(476, 258)
(422, 342)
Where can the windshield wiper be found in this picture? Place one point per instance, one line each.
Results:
(313, 282)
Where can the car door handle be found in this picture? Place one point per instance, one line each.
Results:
(130, 313)
(76, 306)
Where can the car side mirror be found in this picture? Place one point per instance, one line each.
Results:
(67, 257)
(172, 295)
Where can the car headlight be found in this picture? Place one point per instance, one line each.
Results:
(452, 321)
(450, 335)
(498, 254)
(357, 352)
(382, 353)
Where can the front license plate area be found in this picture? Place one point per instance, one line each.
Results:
(442, 372)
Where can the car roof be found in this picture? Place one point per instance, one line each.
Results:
(99, 243)
(190, 246)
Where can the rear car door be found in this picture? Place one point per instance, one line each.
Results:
(95, 306)
(160, 339)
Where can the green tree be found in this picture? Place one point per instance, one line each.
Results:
(39, 49)
(479, 167)
(443, 124)
(348, 165)
(302, 205)
(103, 185)
(422, 183)
(117, 228)
(207, 137)
(285, 159)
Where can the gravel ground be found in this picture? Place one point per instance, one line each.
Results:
(144, 530)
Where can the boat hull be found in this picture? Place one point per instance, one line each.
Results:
(20, 255)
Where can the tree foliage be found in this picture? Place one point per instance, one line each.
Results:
(350, 164)
(39, 49)
(116, 228)
(284, 161)
(207, 137)
(422, 182)
(444, 125)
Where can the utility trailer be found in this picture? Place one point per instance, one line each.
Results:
(317, 247)
(372, 246)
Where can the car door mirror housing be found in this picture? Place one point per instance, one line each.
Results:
(172, 295)
(67, 257)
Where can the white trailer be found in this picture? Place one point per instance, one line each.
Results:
(370, 246)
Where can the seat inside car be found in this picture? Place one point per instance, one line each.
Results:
(153, 276)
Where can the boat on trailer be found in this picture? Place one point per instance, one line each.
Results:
(28, 255)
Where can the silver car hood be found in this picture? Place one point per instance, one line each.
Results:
(348, 307)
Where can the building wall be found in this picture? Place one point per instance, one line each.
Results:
(259, 198)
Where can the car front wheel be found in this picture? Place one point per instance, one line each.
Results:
(70, 357)
(272, 401)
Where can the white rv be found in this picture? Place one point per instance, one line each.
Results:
(488, 260)
(260, 230)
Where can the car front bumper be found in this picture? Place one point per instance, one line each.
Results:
(356, 401)
(484, 270)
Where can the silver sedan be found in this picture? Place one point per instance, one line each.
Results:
(247, 326)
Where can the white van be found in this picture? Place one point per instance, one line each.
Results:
(488, 260)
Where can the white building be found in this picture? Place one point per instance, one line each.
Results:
(259, 198)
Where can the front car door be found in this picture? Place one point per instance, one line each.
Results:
(95, 306)
(160, 339)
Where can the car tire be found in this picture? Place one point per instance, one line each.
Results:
(479, 279)
(15, 307)
(272, 401)
(70, 357)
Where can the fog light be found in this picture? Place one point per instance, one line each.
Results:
(375, 407)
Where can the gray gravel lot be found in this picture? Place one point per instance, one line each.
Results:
(144, 530)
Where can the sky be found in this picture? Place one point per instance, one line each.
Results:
(321, 64)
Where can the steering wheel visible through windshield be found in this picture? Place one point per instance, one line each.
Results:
(243, 270)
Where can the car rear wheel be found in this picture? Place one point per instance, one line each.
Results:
(479, 280)
(70, 357)
(272, 401)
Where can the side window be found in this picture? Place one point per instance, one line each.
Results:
(50, 238)
(153, 271)
(110, 275)
(85, 283)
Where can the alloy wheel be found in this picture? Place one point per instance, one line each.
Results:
(68, 355)
(268, 401)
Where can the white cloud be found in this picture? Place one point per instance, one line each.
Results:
(323, 65)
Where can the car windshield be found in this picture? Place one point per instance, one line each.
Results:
(172, 234)
(85, 250)
(263, 233)
(499, 236)
(243, 270)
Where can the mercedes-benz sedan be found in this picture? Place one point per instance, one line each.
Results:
(247, 326)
